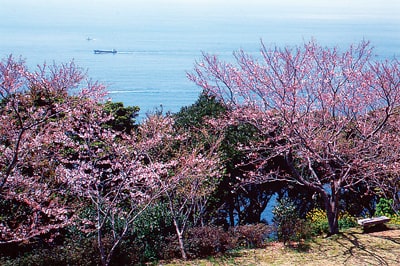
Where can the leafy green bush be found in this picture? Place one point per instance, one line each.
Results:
(146, 242)
(319, 222)
(384, 207)
(289, 226)
(395, 219)
(346, 221)
(124, 117)
(71, 252)
(151, 233)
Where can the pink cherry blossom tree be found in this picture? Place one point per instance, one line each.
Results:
(111, 171)
(327, 117)
(60, 158)
(193, 166)
(32, 109)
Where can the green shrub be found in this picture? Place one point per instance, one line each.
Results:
(346, 221)
(319, 222)
(289, 226)
(384, 207)
(145, 242)
(72, 252)
(151, 233)
(395, 219)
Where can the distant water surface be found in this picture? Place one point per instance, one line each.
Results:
(159, 40)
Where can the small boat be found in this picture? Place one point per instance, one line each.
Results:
(113, 51)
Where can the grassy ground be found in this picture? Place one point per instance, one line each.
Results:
(352, 247)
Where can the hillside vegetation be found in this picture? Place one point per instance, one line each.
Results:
(311, 131)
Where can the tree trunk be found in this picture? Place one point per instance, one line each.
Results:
(252, 213)
(332, 212)
(231, 211)
(182, 246)
(103, 256)
(179, 233)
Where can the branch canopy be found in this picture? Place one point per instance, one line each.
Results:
(330, 114)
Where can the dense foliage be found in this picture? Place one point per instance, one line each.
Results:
(82, 183)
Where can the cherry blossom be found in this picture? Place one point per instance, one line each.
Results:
(323, 113)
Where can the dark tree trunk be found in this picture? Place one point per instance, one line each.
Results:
(231, 211)
(331, 203)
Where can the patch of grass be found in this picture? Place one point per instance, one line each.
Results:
(351, 247)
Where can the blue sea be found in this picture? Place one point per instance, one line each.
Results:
(158, 41)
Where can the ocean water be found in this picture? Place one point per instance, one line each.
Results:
(158, 41)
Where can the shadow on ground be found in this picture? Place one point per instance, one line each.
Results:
(371, 246)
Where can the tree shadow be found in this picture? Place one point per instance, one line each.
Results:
(393, 237)
(358, 250)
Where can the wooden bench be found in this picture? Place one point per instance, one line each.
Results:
(368, 222)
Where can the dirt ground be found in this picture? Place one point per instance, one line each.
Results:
(352, 247)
